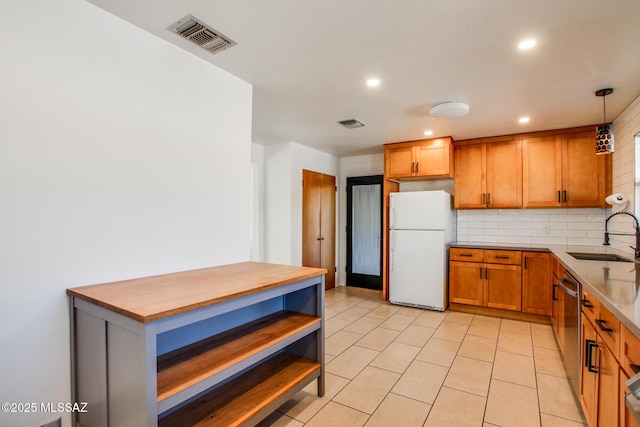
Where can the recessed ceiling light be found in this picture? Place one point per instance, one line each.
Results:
(428, 132)
(373, 82)
(523, 120)
(526, 44)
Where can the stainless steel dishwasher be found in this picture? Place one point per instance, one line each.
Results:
(571, 317)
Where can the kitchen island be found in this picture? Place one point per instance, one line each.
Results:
(223, 345)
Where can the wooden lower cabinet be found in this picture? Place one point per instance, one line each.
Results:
(494, 284)
(588, 373)
(608, 377)
(503, 286)
(466, 283)
(536, 283)
(601, 381)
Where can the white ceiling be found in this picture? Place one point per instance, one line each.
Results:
(308, 62)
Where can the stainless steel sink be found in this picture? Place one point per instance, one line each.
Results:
(598, 257)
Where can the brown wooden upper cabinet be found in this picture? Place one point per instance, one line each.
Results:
(489, 175)
(563, 170)
(429, 158)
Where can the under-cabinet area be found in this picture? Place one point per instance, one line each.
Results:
(218, 346)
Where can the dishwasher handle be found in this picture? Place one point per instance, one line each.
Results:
(571, 292)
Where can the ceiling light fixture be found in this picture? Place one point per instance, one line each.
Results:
(527, 44)
(604, 132)
(449, 109)
(373, 82)
(523, 120)
(428, 132)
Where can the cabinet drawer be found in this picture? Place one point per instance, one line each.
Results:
(629, 351)
(608, 326)
(503, 257)
(589, 306)
(464, 254)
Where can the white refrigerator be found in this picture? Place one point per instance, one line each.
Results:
(420, 230)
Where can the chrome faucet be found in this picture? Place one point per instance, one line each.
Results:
(636, 250)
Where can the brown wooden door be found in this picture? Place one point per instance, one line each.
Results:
(399, 162)
(503, 286)
(588, 376)
(536, 283)
(433, 158)
(504, 174)
(466, 283)
(319, 223)
(470, 176)
(608, 376)
(583, 172)
(542, 172)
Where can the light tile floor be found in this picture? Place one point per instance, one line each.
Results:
(388, 365)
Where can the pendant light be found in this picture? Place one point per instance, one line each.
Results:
(604, 132)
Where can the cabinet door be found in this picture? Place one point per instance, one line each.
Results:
(466, 283)
(504, 174)
(583, 172)
(399, 162)
(433, 158)
(536, 283)
(503, 286)
(542, 172)
(470, 176)
(608, 388)
(588, 372)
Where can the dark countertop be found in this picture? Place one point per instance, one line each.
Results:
(614, 283)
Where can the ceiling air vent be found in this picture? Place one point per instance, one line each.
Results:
(201, 34)
(351, 123)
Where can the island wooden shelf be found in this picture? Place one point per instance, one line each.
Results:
(189, 365)
(228, 344)
(260, 390)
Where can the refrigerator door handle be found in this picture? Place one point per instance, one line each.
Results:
(392, 247)
(392, 219)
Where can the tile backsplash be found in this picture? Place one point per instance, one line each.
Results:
(573, 226)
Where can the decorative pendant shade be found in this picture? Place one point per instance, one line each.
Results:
(604, 132)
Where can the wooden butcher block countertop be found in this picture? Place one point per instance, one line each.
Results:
(156, 297)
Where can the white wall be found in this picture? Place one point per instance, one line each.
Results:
(372, 164)
(283, 165)
(257, 202)
(626, 126)
(121, 156)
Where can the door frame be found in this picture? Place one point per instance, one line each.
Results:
(356, 279)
